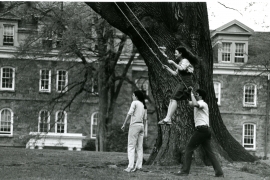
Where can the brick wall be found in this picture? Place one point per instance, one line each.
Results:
(234, 114)
(26, 101)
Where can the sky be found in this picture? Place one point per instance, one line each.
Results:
(254, 15)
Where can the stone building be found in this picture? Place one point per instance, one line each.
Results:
(29, 87)
(241, 81)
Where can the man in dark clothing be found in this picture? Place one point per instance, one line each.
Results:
(201, 136)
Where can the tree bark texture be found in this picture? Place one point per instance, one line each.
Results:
(172, 24)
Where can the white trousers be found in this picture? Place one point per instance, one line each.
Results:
(135, 141)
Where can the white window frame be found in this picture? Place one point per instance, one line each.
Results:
(250, 104)
(48, 120)
(242, 57)
(13, 79)
(217, 94)
(49, 81)
(226, 52)
(233, 49)
(94, 82)
(246, 135)
(4, 133)
(65, 121)
(13, 34)
(94, 121)
(146, 125)
(65, 88)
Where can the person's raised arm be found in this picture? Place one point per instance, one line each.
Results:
(193, 101)
(182, 66)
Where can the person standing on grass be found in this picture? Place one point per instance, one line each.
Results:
(201, 136)
(137, 113)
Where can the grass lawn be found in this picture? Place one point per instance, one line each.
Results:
(18, 163)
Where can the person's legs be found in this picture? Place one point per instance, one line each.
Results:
(193, 144)
(209, 152)
(132, 140)
(171, 109)
(139, 149)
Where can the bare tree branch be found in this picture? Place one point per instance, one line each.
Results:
(230, 8)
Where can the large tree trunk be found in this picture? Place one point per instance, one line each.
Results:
(173, 24)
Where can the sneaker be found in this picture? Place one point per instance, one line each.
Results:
(168, 122)
(165, 121)
(161, 122)
(136, 169)
(180, 174)
(127, 169)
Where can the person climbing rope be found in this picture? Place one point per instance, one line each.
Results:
(184, 61)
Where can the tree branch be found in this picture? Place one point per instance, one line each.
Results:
(230, 8)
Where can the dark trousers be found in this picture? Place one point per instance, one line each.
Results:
(201, 136)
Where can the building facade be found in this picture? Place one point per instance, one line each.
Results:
(27, 88)
(240, 82)
(30, 91)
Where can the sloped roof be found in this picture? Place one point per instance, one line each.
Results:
(9, 16)
(233, 27)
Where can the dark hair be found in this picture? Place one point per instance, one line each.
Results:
(188, 55)
(140, 97)
(202, 93)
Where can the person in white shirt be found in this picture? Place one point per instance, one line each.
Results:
(201, 136)
(185, 69)
(137, 115)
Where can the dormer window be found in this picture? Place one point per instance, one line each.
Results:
(8, 38)
(230, 41)
(234, 52)
(226, 52)
(239, 53)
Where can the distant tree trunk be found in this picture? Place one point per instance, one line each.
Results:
(109, 54)
(103, 36)
(173, 24)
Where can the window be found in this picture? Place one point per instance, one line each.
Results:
(217, 87)
(61, 122)
(94, 125)
(6, 122)
(44, 121)
(142, 84)
(146, 126)
(249, 136)
(62, 81)
(7, 78)
(233, 52)
(239, 53)
(250, 95)
(94, 86)
(45, 80)
(226, 52)
(8, 38)
(52, 38)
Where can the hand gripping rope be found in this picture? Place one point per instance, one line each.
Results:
(161, 49)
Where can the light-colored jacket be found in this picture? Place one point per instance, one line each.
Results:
(137, 112)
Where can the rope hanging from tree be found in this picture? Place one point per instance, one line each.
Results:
(139, 33)
(159, 48)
